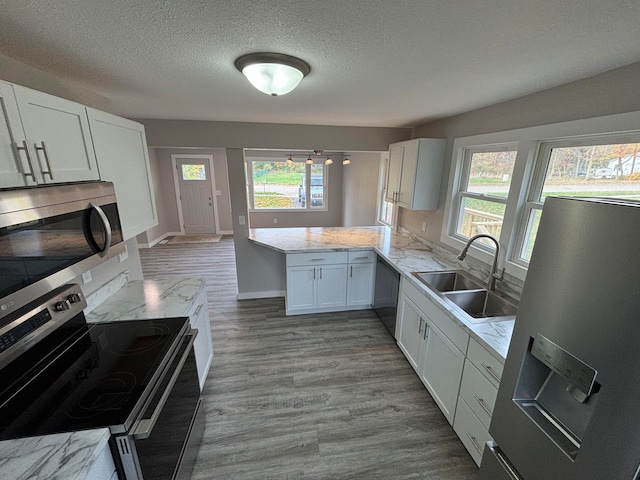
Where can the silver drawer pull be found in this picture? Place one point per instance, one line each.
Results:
(420, 326)
(490, 372)
(361, 258)
(475, 443)
(351, 271)
(483, 405)
(43, 148)
(317, 260)
(197, 312)
(26, 151)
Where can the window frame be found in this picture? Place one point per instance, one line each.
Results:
(307, 180)
(534, 146)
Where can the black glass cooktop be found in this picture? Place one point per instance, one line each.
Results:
(95, 377)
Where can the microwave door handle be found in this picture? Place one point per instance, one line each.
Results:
(145, 426)
(107, 229)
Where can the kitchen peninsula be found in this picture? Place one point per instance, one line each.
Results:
(405, 252)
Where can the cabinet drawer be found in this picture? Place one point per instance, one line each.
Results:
(488, 365)
(471, 432)
(362, 256)
(318, 258)
(479, 393)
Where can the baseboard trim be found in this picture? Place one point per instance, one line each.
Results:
(159, 239)
(225, 232)
(255, 295)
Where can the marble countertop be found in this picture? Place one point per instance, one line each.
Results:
(143, 299)
(405, 252)
(63, 456)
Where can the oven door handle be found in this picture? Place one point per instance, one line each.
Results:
(107, 229)
(145, 426)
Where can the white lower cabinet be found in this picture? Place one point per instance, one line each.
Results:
(442, 370)
(203, 346)
(329, 282)
(438, 358)
(478, 391)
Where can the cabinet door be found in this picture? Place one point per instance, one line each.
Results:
(393, 172)
(332, 286)
(301, 288)
(408, 174)
(58, 134)
(360, 284)
(203, 347)
(412, 328)
(441, 371)
(121, 150)
(14, 163)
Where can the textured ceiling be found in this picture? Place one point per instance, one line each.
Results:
(373, 62)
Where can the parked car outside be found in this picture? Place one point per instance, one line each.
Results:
(316, 193)
(602, 173)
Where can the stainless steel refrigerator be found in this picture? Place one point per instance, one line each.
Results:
(568, 406)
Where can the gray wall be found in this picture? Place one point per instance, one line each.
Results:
(360, 189)
(616, 91)
(22, 74)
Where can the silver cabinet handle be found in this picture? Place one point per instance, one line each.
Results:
(420, 326)
(314, 273)
(46, 159)
(351, 271)
(424, 334)
(490, 372)
(143, 430)
(475, 443)
(483, 405)
(29, 162)
(320, 273)
(361, 258)
(197, 312)
(317, 260)
(107, 229)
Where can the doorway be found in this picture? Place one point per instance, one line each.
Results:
(195, 187)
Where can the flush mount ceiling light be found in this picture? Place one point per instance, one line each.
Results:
(273, 73)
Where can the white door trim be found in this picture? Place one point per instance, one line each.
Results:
(174, 165)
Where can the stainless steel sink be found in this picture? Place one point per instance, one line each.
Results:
(447, 281)
(482, 305)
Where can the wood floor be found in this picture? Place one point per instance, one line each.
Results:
(325, 396)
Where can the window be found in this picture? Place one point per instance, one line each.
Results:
(193, 172)
(579, 169)
(483, 191)
(280, 186)
(499, 181)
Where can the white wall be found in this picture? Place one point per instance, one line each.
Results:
(360, 189)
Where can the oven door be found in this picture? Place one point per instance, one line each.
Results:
(164, 441)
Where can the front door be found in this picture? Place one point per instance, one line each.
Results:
(196, 195)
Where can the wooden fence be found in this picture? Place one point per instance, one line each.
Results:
(476, 221)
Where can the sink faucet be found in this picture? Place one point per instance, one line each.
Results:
(494, 269)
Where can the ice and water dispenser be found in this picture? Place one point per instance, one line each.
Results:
(558, 392)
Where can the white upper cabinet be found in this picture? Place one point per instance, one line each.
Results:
(123, 158)
(414, 173)
(58, 138)
(14, 161)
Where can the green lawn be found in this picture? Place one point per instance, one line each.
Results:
(279, 177)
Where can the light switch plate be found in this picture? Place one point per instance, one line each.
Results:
(241, 220)
(123, 255)
(86, 277)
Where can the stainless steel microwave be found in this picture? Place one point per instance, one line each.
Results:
(50, 235)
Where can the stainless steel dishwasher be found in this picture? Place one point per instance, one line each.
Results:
(385, 299)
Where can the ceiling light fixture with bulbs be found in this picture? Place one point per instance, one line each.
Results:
(273, 73)
(346, 161)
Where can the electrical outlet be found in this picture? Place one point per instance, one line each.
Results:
(241, 219)
(424, 226)
(86, 277)
(123, 255)
(275, 220)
